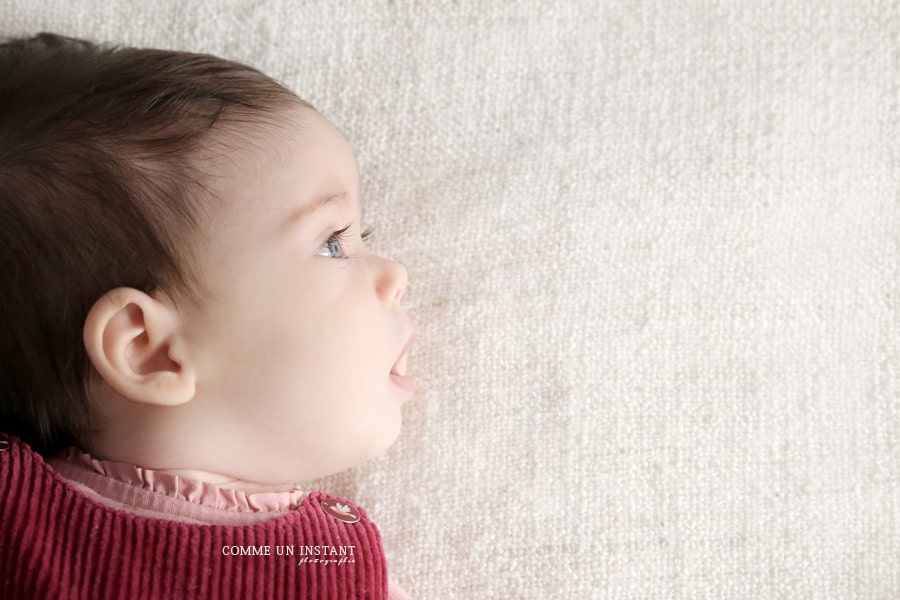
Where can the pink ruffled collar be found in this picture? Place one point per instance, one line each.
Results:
(82, 468)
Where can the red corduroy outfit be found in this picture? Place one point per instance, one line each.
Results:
(57, 543)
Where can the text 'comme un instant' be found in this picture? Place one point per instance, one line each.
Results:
(323, 551)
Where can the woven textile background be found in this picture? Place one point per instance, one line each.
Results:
(654, 259)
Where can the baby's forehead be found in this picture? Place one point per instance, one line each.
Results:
(241, 140)
(253, 147)
(290, 158)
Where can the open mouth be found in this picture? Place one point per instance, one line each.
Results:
(399, 367)
(398, 371)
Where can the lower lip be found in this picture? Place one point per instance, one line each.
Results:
(402, 382)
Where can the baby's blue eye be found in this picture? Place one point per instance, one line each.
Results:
(336, 244)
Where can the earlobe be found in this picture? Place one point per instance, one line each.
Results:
(133, 342)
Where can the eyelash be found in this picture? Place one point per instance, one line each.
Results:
(341, 236)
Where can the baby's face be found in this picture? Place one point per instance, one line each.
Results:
(295, 346)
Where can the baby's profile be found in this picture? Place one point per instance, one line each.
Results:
(192, 327)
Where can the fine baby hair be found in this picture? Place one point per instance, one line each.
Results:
(99, 188)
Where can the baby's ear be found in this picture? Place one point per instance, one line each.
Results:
(133, 341)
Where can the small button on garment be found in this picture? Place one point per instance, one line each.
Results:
(4, 445)
(341, 510)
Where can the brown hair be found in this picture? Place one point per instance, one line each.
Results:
(98, 190)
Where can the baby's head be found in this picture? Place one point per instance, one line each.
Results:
(184, 280)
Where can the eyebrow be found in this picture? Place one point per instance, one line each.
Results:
(317, 203)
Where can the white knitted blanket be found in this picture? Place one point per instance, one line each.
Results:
(654, 253)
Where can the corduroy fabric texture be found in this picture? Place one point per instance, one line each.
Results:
(654, 268)
(57, 543)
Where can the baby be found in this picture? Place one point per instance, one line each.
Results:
(190, 325)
